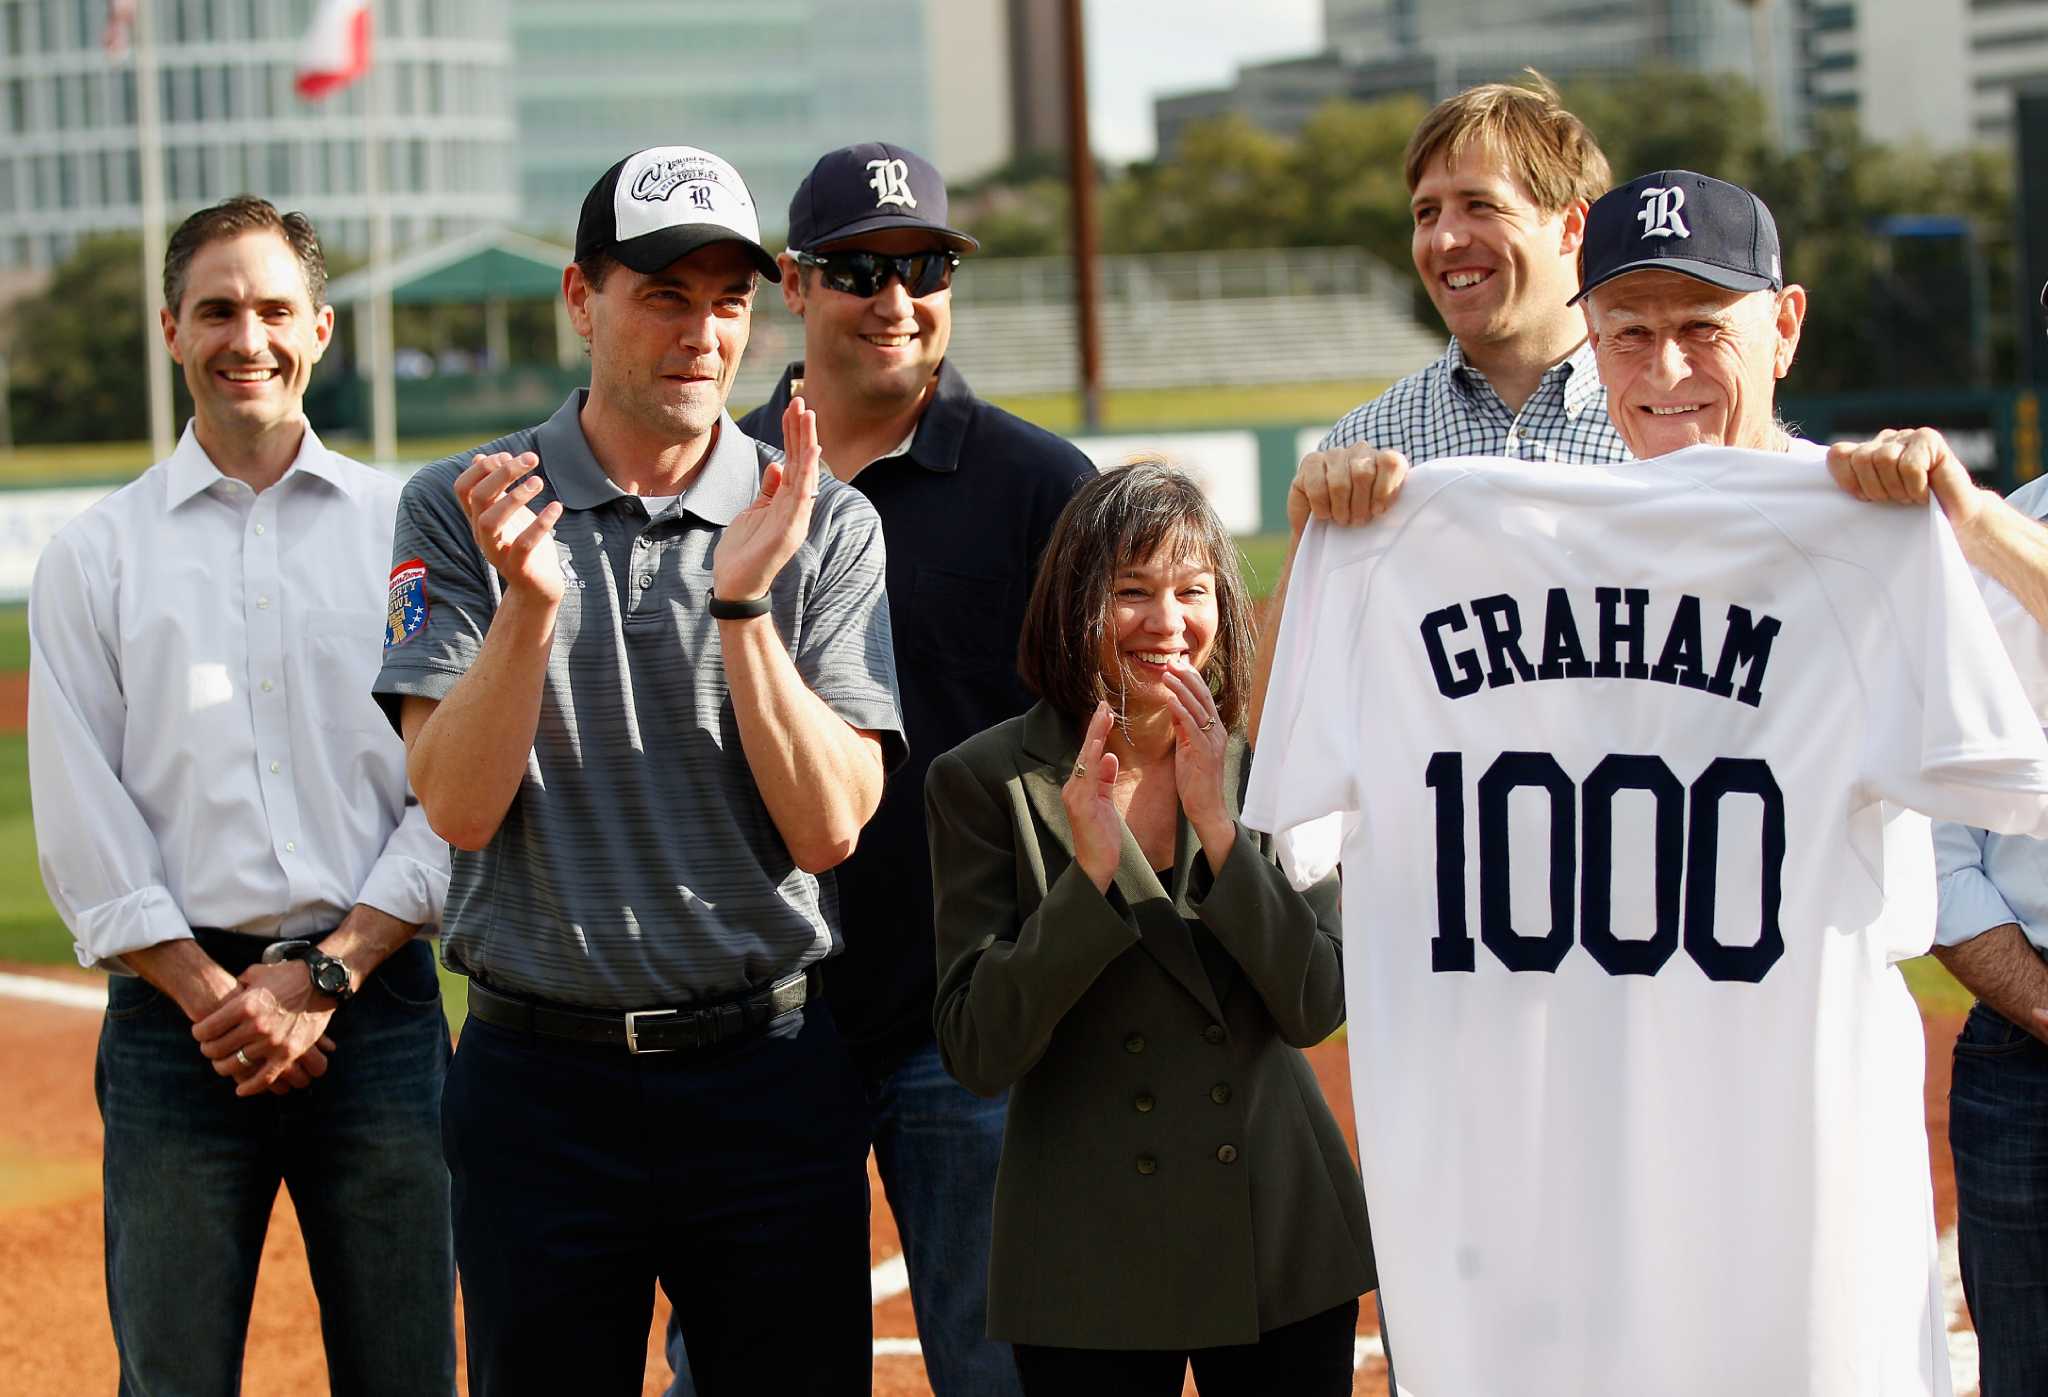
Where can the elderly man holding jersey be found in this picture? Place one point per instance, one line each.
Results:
(1651, 1031)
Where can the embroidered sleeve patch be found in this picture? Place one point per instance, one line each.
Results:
(405, 614)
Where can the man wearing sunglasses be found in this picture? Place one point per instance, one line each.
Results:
(967, 494)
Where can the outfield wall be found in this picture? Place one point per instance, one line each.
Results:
(1244, 471)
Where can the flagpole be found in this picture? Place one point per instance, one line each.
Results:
(149, 142)
(383, 393)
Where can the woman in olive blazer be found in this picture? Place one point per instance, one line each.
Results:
(1125, 958)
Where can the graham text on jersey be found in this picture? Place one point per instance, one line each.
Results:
(1622, 638)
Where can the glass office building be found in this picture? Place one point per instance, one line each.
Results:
(232, 122)
(768, 84)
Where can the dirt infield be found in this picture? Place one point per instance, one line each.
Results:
(51, 1282)
(13, 702)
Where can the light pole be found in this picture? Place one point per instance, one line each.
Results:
(1081, 183)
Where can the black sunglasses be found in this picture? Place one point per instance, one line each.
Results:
(859, 273)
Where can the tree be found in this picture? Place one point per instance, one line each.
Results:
(78, 371)
(1830, 200)
(1669, 119)
(1026, 219)
(1228, 185)
(1347, 161)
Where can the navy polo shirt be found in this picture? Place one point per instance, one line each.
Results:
(638, 866)
(966, 512)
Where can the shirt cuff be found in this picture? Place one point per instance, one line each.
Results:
(1241, 882)
(1310, 852)
(146, 917)
(405, 888)
(1970, 906)
(395, 684)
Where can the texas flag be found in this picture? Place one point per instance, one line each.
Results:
(336, 50)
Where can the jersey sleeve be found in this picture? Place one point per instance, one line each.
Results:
(1952, 733)
(1304, 773)
(442, 594)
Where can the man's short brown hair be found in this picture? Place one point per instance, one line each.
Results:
(1544, 146)
(231, 218)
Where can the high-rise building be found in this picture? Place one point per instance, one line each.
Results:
(768, 84)
(232, 123)
(1942, 72)
(1378, 48)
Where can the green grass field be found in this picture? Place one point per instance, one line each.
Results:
(13, 640)
(1125, 410)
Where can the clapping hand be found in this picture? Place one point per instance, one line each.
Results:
(767, 533)
(513, 539)
(1090, 797)
(1199, 742)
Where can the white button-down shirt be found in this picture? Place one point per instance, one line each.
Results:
(203, 746)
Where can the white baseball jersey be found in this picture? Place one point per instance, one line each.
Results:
(1629, 754)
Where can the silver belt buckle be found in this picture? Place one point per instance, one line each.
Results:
(632, 1029)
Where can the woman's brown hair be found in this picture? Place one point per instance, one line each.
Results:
(1122, 517)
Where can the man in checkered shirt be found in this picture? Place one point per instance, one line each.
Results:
(1499, 177)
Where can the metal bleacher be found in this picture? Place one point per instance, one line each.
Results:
(1191, 320)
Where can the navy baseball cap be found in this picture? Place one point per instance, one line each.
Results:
(1677, 221)
(666, 202)
(866, 188)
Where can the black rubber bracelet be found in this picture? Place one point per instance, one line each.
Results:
(723, 610)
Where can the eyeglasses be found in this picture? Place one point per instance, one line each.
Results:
(864, 274)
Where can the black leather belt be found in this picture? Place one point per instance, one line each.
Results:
(645, 1030)
(235, 951)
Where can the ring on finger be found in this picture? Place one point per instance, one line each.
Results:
(1205, 725)
(243, 1058)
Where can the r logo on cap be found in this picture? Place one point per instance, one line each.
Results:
(891, 181)
(1659, 213)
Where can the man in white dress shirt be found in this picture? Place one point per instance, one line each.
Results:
(224, 824)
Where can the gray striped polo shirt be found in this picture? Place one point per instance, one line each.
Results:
(638, 866)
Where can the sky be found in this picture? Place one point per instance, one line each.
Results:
(1139, 49)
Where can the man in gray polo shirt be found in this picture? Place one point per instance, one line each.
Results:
(643, 670)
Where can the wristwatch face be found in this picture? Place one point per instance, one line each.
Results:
(330, 976)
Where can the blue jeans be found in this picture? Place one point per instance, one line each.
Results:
(937, 1146)
(1998, 1130)
(192, 1171)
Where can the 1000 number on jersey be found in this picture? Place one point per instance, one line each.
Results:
(1687, 845)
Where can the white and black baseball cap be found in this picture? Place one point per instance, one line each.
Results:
(1678, 221)
(866, 188)
(666, 202)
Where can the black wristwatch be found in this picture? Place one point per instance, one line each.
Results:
(723, 610)
(330, 974)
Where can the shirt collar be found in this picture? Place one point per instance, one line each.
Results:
(189, 470)
(578, 481)
(1454, 361)
(1581, 380)
(728, 479)
(1578, 371)
(941, 428)
(725, 483)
